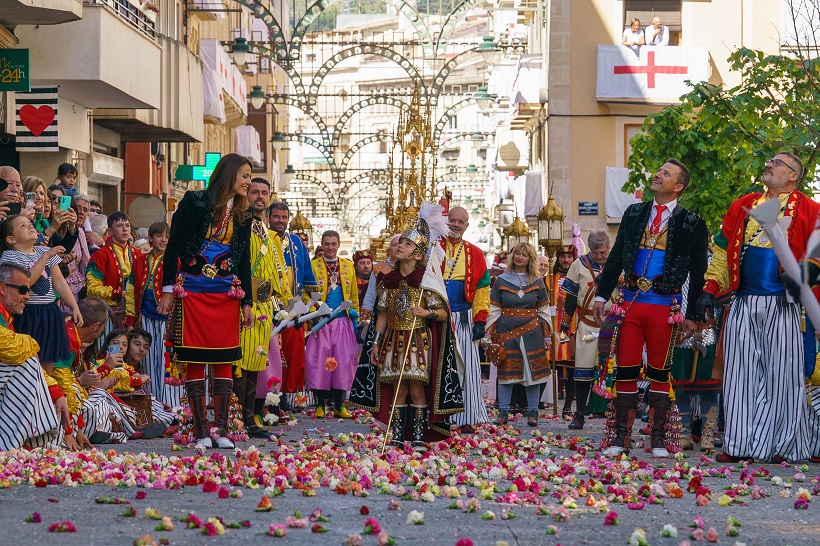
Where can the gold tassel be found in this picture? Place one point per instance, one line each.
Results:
(803, 319)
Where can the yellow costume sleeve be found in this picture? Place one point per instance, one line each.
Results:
(96, 288)
(123, 383)
(718, 269)
(130, 302)
(64, 377)
(354, 287)
(481, 300)
(16, 348)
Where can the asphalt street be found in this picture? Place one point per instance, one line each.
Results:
(764, 503)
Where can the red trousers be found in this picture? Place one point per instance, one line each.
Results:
(293, 350)
(647, 324)
(218, 371)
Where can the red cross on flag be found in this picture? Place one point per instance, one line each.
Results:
(657, 73)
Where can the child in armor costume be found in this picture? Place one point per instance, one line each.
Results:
(410, 347)
(403, 336)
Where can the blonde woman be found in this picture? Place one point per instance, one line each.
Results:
(520, 321)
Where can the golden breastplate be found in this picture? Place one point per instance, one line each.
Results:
(399, 302)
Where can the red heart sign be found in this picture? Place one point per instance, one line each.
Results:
(36, 120)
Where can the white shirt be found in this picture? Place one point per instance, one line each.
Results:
(667, 214)
(660, 39)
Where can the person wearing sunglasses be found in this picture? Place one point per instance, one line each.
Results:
(764, 397)
(32, 411)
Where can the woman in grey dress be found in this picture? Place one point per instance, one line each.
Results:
(520, 321)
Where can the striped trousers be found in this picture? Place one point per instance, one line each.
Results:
(475, 411)
(27, 414)
(100, 408)
(160, 413)
(154, 364)
(764, 397)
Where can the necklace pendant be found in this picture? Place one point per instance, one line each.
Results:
(764, 238)
(652, 241)
(451, 263)
(520, 293)
(333, 285)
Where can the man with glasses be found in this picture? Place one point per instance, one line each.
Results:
(763, 347)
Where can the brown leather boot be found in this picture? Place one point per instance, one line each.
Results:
(662, 404)
(223, 388)
(707, 440)
(626, 406)
(195, 390)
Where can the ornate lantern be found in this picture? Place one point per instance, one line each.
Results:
(518, 232)
(551, 227)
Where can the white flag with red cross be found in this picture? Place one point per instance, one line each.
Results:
(657, 73)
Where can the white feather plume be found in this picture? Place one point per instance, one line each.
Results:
(432, 214)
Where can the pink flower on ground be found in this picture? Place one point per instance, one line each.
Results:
(464, 542)
(295, 522)
(140, 495)
(712, 535)
(209, 529)
(384, 539)
(702, 500)
(371, 526)
(209, 487)
(353, 539)
(697, 534)
(223, 493)
(63, 527)
(277, 530)
(611, 518)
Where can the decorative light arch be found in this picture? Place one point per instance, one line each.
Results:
(364, 103)
(449, 113)
(361, 144)
(367, 49)
(450, 23)
(319, 183)
(310, 141)
(293, 51)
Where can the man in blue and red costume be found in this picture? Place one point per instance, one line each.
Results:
(302, 282)
(468, 290)
(659, 244)
(764, 398)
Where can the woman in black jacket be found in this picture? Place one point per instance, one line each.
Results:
(206, 277)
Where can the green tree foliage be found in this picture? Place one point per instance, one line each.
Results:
(724, 136)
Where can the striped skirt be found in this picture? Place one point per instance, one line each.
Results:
(27, 416)
(475, 411)
(154, 364)
(764, 394)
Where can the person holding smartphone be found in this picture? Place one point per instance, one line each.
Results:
(41, 318)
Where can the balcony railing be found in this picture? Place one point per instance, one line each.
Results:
(130, 13)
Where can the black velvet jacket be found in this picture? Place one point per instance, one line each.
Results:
(188, 229)
(687, 240)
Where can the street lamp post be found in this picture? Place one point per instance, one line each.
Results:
(551, 238)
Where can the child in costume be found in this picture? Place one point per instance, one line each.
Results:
(410, 348)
